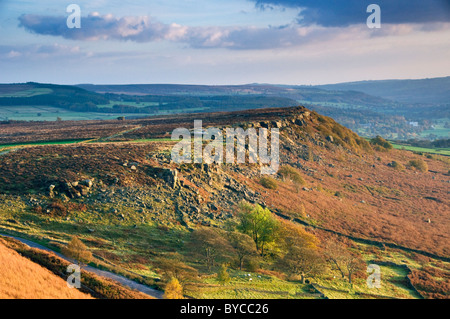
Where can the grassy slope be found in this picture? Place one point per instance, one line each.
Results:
(20, 278)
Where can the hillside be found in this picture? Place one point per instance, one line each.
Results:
(132, 205)
(16, 270)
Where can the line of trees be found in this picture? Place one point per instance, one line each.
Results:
(257, 235)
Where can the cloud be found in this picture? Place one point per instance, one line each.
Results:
(145, 29)
(106, 27)
(248, 38)
(343, 13)
(39, 51)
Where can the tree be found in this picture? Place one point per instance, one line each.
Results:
(211, 244)
(302, 257)
(243, 246)
(258, 223)
(302, 261)
(222, 276)
(174, 290)
(77, 250)
(341, 259)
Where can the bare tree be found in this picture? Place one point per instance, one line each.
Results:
(341, 259)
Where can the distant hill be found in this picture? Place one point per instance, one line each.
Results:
(394, 109)
(299, 93)
(36, 101)
(32, 93)
(434, 90)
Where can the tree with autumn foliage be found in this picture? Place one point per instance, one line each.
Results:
(302, 257)
(77, 250)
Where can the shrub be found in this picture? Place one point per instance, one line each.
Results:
(57, 208)
(339, 194)
(291, 173)
(268, 182)
(222, 276)
(252, 265)
(381, 144)
(419, 165)
(302, 210)
(397, 166)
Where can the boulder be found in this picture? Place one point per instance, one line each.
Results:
(264, 124)
(299, 122)
(87, 183)
(276, 124)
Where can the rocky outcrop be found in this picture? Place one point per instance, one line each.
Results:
(168, 175)
(74, 189)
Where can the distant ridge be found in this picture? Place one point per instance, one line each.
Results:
(430, 90)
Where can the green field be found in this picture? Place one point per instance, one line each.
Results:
(127, 103)
(50, 113)
(28, 93)
(41, 143)
(439, 130)
(440, 151)
(339, 105)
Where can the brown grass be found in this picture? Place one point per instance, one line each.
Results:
(99, 287)
(20, 278)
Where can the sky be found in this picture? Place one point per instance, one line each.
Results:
(217, 42)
